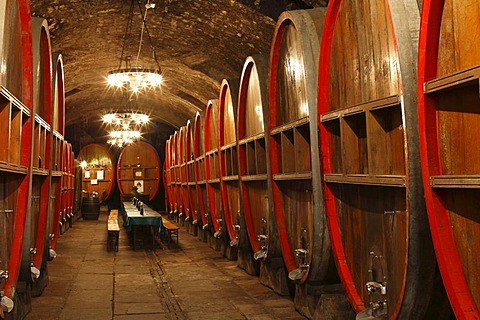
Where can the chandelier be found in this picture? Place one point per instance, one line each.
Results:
(134, 77)
(125, 128)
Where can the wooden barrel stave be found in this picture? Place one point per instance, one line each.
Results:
(448, 119)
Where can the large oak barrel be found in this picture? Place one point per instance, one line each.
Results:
(449, 114)
(369, 138)
(37, 252)
(200, 174)
(177, 196)
(97, 171)
(16, 117)
(294, 155)
(168, 176)
(293, 150)
(190, 175)
(182, 167)
(212, 167)
(58, 125)
(227, 158)
(139, 166)
(252, 159)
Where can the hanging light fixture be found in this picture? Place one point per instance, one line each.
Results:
(125, 128)
(134, 77)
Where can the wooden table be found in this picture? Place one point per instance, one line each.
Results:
(133, 221)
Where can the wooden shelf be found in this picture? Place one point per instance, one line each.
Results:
(292, 176)
(40, 172)
(380, 180)
(230, 178)
(228, 146)
(211, 152)
(252, 138)
(455, 181)
(56, 173)
(202, 182)
(290, 125)
(453, 81)
(361, 108)
(214, 181)
(6, 167)
(191, 183)
(256, 177)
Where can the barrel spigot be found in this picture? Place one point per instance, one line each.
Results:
(298, 273)
(262, 253)
(3, 275)
(51, 236)
(218, 233)
(33, 252)
(236, 230)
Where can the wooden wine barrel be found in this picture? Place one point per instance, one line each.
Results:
(182, 167)
(138, 165)
(200, 173)
(212, 167)
(293, 145)
(42, 150)
(448, 93)
(16, 117)
(190, 175)
(58, 125)
(168, 177)
(252, 155)
(227, 157)
(90, 208)
(369, 137)
(98, 173)
(70, 185)
(176, 193)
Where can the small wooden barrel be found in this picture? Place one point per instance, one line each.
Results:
(16, 118)
(293, 145)
(190, 173)
(138, 165)
(449, 114)
(90, 208)
(42, 151)
(200, 173)
(228, 159)
(373, 192)
(97, 173)
(212, 167)
(252, 155)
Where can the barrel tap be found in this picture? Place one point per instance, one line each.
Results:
(302, 254)
(262, 238)
(205, 226)
(51, 253)
(35, 273)
(218, 233)
(236, 230)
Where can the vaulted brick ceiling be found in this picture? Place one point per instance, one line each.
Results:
(198, 43)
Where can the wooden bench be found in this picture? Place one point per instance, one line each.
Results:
(169, 229)
(113, 231)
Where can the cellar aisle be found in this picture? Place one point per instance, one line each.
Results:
(193, 282)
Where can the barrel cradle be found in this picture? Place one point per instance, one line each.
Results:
(369, 140)
(448, 94)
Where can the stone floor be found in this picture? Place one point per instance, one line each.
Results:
(192, 282)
